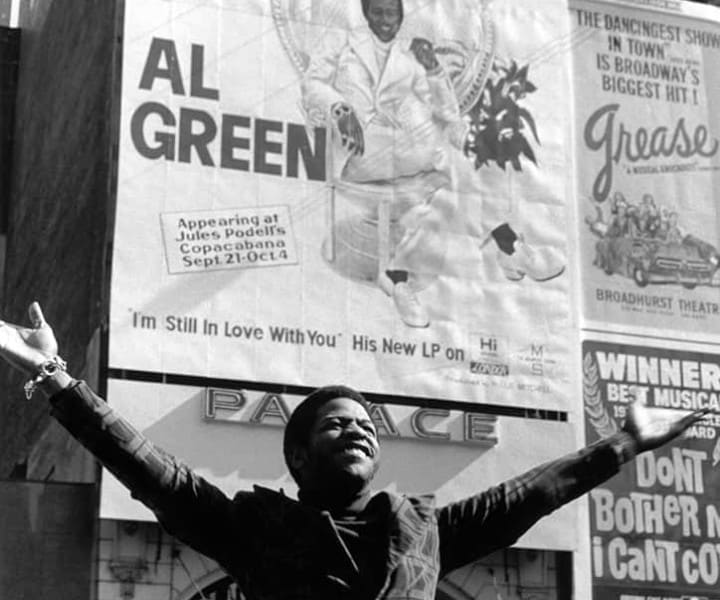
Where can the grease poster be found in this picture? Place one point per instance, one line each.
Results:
(647, 131)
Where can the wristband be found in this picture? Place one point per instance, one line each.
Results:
(47, 369)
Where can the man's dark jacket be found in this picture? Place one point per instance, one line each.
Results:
(278, 548)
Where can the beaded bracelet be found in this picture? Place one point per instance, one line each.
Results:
(47, 369)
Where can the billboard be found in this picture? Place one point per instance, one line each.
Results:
(648, 164)
(310, 194)
(655, 526)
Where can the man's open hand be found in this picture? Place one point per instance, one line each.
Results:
(27, 348)
(424, 53)
(653, 427)
(349, 128)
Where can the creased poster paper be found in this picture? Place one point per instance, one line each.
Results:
(307, 195)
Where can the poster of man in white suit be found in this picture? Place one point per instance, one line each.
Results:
(397, 121)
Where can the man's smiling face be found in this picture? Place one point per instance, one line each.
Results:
(384, 18)
(343, 443)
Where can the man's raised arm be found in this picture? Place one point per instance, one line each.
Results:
(187, 505)
(497, 517)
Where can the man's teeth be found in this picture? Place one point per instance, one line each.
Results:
(355, 451)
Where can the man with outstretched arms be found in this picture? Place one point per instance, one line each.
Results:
(339, 539)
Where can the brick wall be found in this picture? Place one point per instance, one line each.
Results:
(58, 217)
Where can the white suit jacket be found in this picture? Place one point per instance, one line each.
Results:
(406, 113)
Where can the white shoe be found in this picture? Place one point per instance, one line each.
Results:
(406, 301)
(540, 265)
(408, 306)
(385, 284)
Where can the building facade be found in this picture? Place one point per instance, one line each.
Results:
(209, 250)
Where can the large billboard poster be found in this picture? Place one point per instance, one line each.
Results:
(309, 191)
(655, 527)
(647, 130)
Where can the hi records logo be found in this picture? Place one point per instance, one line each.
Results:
(487, 355)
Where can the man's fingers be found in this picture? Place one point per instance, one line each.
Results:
(699, 415)
(354, 135)
(694, 417)
(353, 144)
(356, 142)
(36, 315)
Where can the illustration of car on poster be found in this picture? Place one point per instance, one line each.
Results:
(652, 251)
(692, 262)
